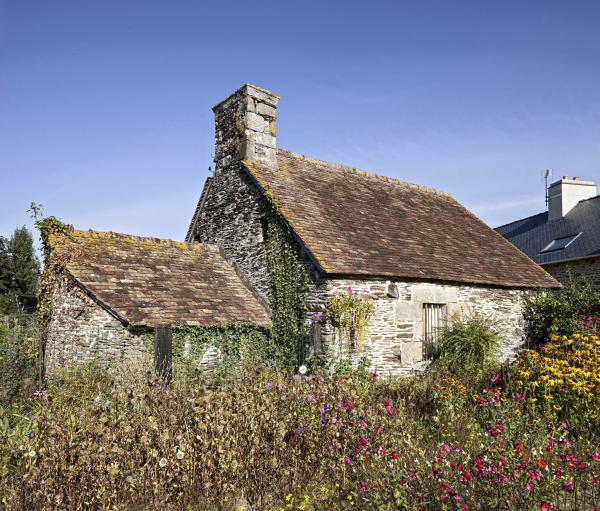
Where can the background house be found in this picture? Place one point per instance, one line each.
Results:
(565, 240)
(416, 252)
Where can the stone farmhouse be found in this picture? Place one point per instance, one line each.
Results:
(565, 240)
(415, 252)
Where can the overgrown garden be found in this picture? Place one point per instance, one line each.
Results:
(467, 435)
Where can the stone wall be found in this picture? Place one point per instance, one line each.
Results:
(580, 270)
(234, 216)
(395, 331)
(81, 331)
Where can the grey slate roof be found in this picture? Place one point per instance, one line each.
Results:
(534, 233)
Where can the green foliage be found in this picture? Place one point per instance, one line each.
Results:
(19, 343)
(288, 290)
(350, 313)
(556, 312)
(49, 226)
(467, 345)
(19, 269)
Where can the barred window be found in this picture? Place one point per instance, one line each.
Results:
(434, 318)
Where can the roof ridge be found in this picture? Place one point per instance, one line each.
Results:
(361, 172)
(520, 220)
(146, 240)
(591, 198)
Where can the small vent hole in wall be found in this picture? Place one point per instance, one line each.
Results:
(264, 230)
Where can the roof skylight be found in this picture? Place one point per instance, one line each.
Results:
(560, 243)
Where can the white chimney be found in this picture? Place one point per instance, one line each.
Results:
(565, 194)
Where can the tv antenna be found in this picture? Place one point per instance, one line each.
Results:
(547, 174)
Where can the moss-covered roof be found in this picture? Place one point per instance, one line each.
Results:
(150, 281)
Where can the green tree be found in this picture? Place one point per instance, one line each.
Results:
(5, 267)
(6, 279)
(19, 269)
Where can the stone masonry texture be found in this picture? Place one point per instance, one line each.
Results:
(395, 331)
(81, 331)
(582, 270)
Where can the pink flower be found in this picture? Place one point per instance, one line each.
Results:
(530, 486)
(346, 460)
(363, 442)
(568, 486)
(545, 505)
(478, 465)
(363, 487)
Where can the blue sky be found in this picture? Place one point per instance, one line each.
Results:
(105, 112)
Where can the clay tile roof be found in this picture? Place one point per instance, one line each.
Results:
(354, 222)
(149, 281)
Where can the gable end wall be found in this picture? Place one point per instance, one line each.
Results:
(80, 331)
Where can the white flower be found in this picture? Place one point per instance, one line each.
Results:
(302, 369)
(180, 455)
(163, 462)
(31, 454)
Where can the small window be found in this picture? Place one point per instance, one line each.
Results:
(434, 318)
(560, 243)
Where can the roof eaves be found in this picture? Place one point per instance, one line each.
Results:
(544, 273)
(122, 319)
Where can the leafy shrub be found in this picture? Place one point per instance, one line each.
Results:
(467, 344)
(18, 357)
(556, 312)
(350, 312)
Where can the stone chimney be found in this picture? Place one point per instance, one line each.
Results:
(245, 127)
(565, 194)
